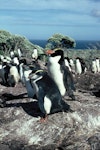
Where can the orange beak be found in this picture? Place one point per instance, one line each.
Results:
(48, 52)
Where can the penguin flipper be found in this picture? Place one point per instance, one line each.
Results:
(41, 95)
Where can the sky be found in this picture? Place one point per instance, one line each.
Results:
(40, 19)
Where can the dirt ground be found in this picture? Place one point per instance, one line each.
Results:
(20, 128)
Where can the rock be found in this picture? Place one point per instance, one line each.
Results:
(20, 127)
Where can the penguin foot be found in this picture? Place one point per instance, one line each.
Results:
(43, 120)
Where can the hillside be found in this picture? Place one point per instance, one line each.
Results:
(20, 128)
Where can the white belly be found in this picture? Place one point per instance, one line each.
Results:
(57, 76)
(47, 105)
(14, 72)
(78, 67)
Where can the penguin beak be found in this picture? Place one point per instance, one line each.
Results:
(48, 52)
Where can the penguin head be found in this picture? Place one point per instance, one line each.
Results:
(36, 75)
(57, 54)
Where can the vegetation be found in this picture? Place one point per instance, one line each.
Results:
(59, 40)
(10, 42)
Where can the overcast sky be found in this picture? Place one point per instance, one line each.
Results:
(40, 19)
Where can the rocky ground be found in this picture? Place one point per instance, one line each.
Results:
(20, 128)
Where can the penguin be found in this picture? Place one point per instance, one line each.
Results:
(67, 63)
(30, 90)
(1, 57)
(12, 54)
(15, 60)
(21, 73)
(13, 76)
(60, 73)
(35, 54)
(78, 67)
(93, 66)
(4, 70)
(72, 64)
(49, 98)
(98, 64)
(83, 65)
(19, 53)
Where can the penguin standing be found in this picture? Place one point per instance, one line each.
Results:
(67, 63)
(60, 73)
(12, 54)
(35, 54)
(4, 70)
(13, 76)
(30, 90)
(2, 73)
(93, 66)
(78, 67)
(19, 53)
(83, 65)
(72, 65)
(49, 97)
(98, 64)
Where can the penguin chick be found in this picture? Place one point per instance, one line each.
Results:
(49, 98)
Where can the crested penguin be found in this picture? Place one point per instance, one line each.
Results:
(60, 73)
(49, 97)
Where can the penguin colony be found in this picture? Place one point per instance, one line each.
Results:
(49, 85)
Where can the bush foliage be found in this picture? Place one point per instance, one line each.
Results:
(60, 40)
(10, 42)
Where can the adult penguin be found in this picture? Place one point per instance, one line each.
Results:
(30, 90)
(13, 75)
(67, 63)
(83, 64)
(49, 97)
(98, 64)
(93, 66)
(35, 54)
(4, 71)
(60, 72)
(78, 67)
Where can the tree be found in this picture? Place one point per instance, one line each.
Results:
(59, 40)
(10, 42)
